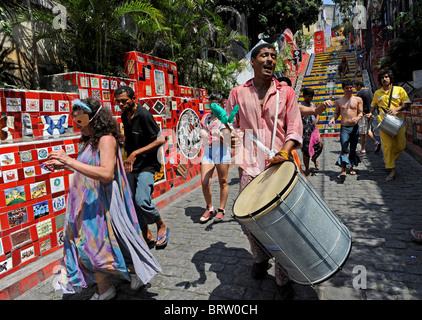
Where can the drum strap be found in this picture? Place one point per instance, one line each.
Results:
(389, 100)
(275, 120)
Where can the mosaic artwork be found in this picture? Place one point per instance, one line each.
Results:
(40, 209)
(20, 238)
(38, 189)
(7, 159)
(17, 217)
(14, 195)
(44, 228)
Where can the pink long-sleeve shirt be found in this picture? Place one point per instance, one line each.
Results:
(260, 121)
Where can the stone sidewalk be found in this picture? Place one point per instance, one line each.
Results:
(212, 261)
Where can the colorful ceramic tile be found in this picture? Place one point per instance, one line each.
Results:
(105, 84)
(17, 217)
(1, 247)
(59, 203)
(10, 175)
(40, 209)
(27, 254)
(7, 159)
(70, 148)
(45, 245)
(130, 67)
(42, 153)
(6, 265)
(159, 107)
(10, 122)
(64, 106)
(32, 105)
(96, 94)
(57, 184)
(95, 83)
(148, 90)
(113, 85)
(13, 105)
(83, 93)
(147, 73)
(29, 171)
(14, 195)
(38, 189)
(25, 156)
(55, 124)
(60, 237)
(107, 105)
(160, 82)
(106, 95)
(20, 238)
(44, 169)
(60, 219)
(27, 125)
(44, 228)
(84, 82)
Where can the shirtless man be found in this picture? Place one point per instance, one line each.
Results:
(350, 108)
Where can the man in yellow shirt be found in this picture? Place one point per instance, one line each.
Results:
(392, 146)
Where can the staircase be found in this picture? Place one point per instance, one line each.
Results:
(322, 76)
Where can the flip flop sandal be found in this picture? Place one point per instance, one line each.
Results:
(164, 244)
(342, 176)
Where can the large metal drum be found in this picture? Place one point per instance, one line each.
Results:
(291, 220)
(390, 124)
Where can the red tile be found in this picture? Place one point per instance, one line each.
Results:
(29, 282)
(4, 221)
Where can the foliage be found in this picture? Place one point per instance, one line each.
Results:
(193, 33)
(404, 52)
(272, 17)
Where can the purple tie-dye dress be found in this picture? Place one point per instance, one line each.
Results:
(102, 233)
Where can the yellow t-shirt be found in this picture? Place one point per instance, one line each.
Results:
(381, 98)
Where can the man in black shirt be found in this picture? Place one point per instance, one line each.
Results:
(142, 141)
(365, 124)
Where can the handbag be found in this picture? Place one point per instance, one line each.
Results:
(390, 124)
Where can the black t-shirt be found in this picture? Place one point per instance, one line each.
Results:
(366, 96)
(140, 132)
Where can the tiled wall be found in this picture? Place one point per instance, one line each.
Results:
(32, 200)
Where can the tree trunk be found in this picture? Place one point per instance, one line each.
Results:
(35, 79)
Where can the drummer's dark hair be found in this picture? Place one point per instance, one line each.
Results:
(383, 72)
(258, 49)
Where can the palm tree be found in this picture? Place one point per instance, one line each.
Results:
(198, 41)
(97, 32)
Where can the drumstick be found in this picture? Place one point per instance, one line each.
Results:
(260, 145)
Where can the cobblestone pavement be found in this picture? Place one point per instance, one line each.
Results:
(212, 261)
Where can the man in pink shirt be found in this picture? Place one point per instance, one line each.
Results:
(257, 100)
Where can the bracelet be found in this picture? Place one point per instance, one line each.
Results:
(284, 154)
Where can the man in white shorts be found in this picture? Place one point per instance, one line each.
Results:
(365, 124)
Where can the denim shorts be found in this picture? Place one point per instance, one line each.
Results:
(217, 154)
(349, 137)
